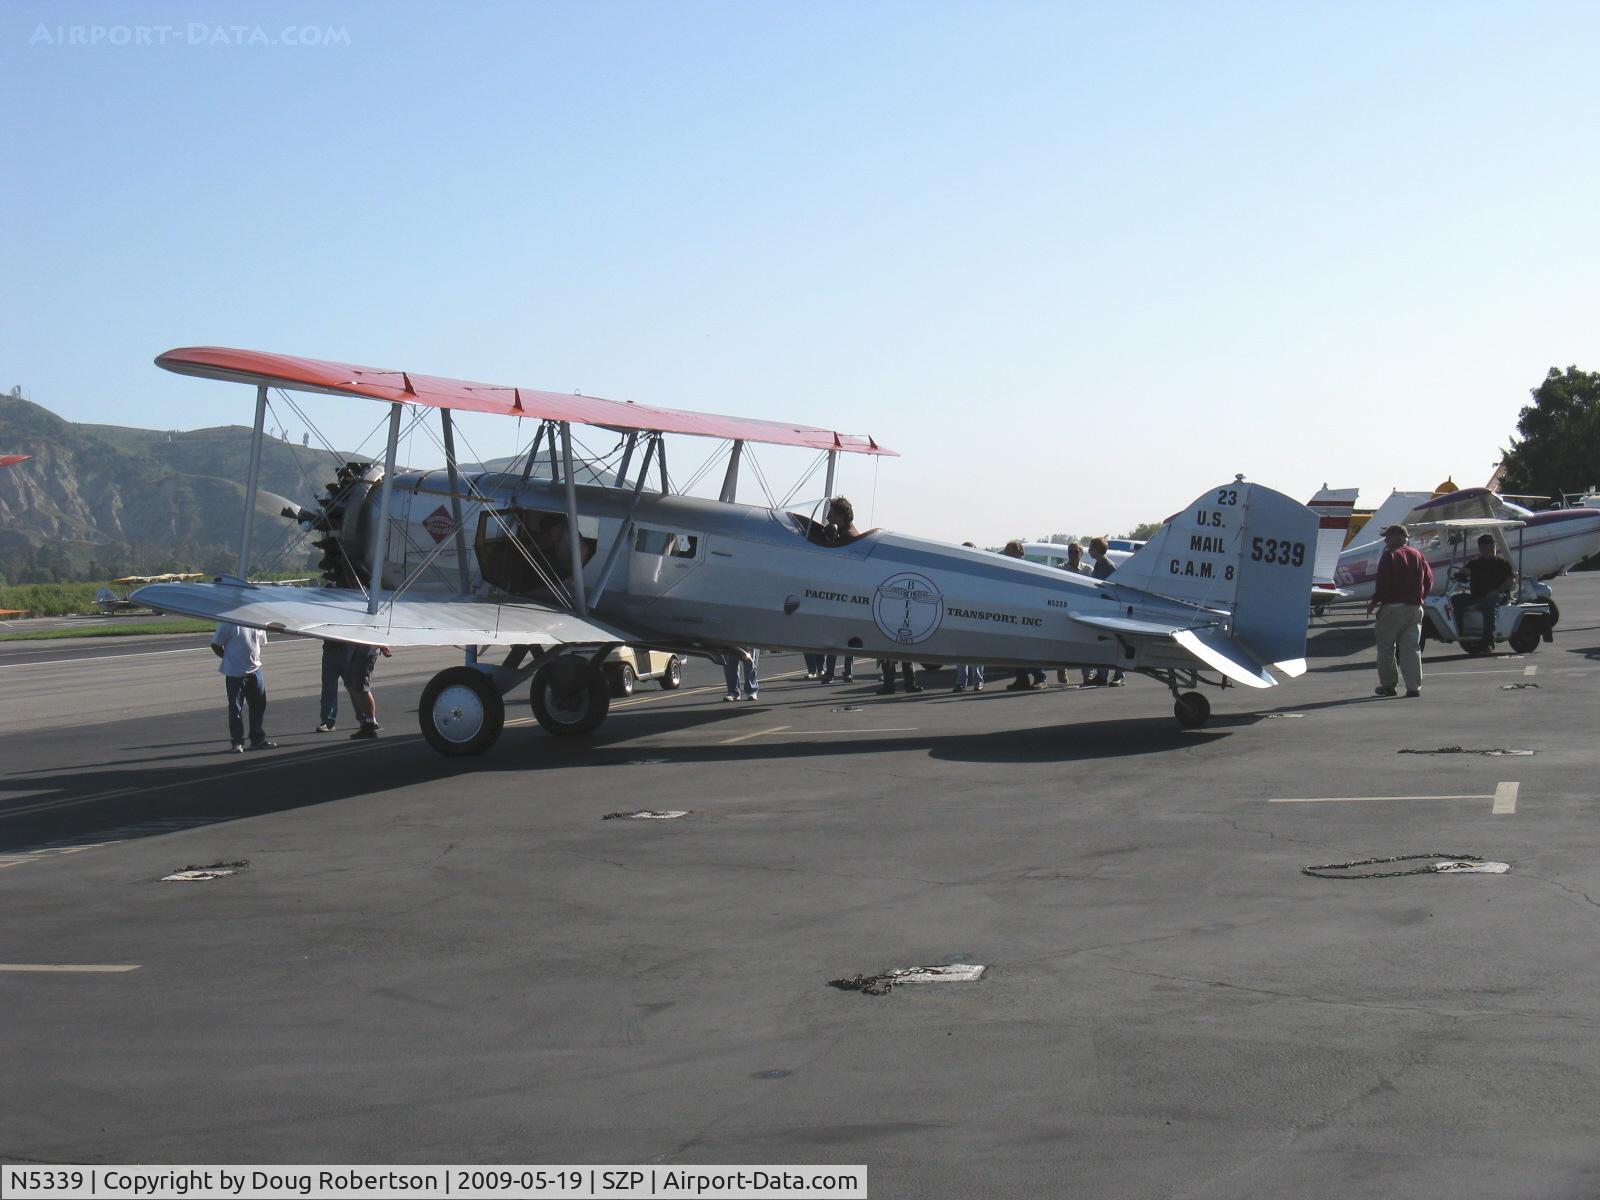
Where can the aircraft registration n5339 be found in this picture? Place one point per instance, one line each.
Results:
(563, 573)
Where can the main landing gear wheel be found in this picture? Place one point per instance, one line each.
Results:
(461, 713)
(672, 677)
(1192, 710)
(570, 697)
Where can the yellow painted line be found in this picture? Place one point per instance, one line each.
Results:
(1505, 799)
(1530, 670)
(745, 737)
(86, 968)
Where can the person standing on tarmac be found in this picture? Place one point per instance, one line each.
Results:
(1404, 580)
(1103, 569)
(335, 658)
(358, 681)
(239, 648)
(1028, 678)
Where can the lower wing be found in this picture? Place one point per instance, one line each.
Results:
(337, 614)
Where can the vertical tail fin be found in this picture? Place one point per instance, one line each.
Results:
(1333, 507)
(1246, 550)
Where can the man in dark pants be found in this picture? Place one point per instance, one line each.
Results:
(239, 648)
(335, 658)
(1103, 569)
(1028, 678)
(1489, 580)
(358, 679)
(908, 670)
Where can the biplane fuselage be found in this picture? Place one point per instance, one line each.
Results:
(709, 574)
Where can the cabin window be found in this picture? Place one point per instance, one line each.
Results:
(665, 543)
(518, 548)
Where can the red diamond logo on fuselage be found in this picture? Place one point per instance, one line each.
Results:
(439, 523)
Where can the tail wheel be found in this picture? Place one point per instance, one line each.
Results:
(1192, 710)
(621, 678)
(570, 697)
(672, 677)
(461, 713)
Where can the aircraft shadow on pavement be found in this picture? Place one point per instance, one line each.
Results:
(137, 800)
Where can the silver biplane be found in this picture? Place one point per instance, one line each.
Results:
(563, 573)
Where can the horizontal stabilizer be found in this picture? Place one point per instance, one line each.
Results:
(337, 614)
(1128, 627)
(1224, 654)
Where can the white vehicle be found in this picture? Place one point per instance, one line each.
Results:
(564, 574)
(1523, 620)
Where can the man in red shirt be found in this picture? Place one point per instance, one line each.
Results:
(1404, 579)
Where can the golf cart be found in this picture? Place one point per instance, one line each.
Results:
(1523, 619)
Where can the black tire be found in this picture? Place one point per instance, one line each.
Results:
(1192, 710)
(1526, 640)
(1555, 613)
(570, 697)
(672, 677)
(461, 713)
(620, 678)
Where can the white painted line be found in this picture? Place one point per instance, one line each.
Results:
(1530, 670)
(1349, 799)
(745, 737)
(1505, 799)
(54, 662)
(86, 968)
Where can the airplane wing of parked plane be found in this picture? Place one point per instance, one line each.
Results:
(338, 614)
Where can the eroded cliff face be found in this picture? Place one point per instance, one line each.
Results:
(151, 493)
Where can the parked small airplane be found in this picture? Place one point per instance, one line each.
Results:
(1547, 543)
(564, 573)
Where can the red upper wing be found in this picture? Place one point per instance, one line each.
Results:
(345, 379)
(11, 460)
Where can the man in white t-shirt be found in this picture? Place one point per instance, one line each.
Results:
(239, 648)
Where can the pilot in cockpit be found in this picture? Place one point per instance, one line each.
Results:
(840, 524)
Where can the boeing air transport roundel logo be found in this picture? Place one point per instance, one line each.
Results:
(439, 523)
(908, 608)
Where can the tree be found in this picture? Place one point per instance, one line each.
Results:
(1559, 447)
(1144, 532)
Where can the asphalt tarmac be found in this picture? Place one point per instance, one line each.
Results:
(436, 961)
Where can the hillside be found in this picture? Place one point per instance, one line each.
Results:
(104, 500)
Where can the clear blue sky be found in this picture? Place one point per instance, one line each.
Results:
(1077, 262)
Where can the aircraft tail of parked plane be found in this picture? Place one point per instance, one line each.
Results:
(1246, 550)
(1333, 507)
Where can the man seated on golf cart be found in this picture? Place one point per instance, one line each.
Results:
(1489, 580)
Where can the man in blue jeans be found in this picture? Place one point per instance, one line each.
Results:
(239, 648)
(740, 675)
(335, 656)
